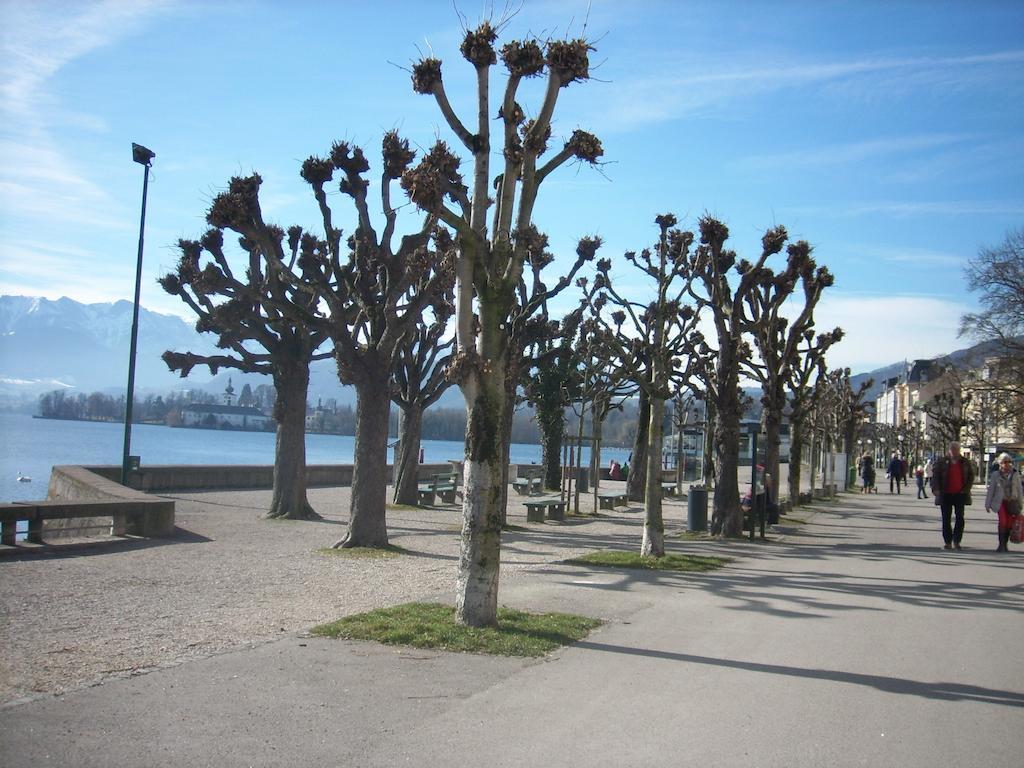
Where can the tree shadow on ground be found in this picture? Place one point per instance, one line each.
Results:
(942, 691)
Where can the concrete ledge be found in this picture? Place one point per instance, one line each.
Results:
(159, 478)
(91, 501)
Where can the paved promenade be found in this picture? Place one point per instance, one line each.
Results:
(852, 640)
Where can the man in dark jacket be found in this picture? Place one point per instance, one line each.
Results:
(952, 479)
(895, 470)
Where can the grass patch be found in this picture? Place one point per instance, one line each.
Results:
(685, 563)
(792, 520)
(431, 625)
(689, 535)
(365, 553)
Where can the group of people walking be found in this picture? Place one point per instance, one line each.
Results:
(950, 479)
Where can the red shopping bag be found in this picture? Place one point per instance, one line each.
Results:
(1017, 529)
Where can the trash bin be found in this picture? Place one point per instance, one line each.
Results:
(697, 508)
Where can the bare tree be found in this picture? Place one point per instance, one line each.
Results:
(777, 338)
(650, 337)
(365, 295)
(711, 266)
(810, 368)
(257, 337)
(419, 381)
(491, 258)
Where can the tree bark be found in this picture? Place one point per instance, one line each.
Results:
(727, 518)
(636, 480)
(407, 455)
(552, 435)
(796, 451)
(480, 553)
(367, 526)
(289, 495)
(654, 527)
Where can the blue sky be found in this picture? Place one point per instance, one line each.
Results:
(888, 134)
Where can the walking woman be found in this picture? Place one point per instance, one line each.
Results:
(867, 472)
(1004, 497)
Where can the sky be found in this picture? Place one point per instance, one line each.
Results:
(889, 135)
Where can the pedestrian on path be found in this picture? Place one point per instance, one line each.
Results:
(895, 472)
(919, 476)
(1004, 497)
(952, 478)
(867, 472)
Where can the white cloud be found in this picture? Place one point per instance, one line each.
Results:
(845, 154)
(635, 100)
(880, 330)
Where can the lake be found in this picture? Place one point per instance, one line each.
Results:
(31, 447)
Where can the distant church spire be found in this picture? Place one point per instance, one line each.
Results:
(229, 392)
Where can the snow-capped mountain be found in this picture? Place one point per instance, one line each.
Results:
(46, 345)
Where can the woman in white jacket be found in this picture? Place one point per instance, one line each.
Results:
(1004, 497)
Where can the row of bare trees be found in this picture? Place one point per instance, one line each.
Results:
(382, 306)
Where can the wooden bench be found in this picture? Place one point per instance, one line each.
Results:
(535, 510)
(445, 485)
(148, 518)
(526, 486)
(612, 499)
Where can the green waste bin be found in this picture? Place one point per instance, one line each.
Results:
(697, 508)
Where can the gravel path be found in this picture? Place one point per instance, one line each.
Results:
(231, 579)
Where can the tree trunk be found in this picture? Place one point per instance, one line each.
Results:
(289, 496)
(636, 480)
(773, 430)
(597, 423)
(367, 526)
(796, 451)
(506, 447)
(727, 518)
(654, 526)
(407, 455)
(480, 555)
(552, 435)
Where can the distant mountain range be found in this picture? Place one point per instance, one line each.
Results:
(63, 344)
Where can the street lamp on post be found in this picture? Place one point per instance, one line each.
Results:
(143, 157)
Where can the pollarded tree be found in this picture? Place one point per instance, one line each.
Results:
(710, 267)
(257, 337)
(419, 381)
(777, 338)
(490, 264)
(365, 293)
(650, 338)
(810, 368)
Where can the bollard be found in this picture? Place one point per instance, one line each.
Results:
(697, 508)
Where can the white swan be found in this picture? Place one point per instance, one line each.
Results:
(24, 478)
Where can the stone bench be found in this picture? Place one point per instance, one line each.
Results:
(142, 518)
(612, 499)
(445, 485)
(526, 486)
(555, 509)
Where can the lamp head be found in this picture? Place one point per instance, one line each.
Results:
(141, 155)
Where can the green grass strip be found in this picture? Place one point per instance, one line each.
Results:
(431, 625)
(364, 553)
(685, 563)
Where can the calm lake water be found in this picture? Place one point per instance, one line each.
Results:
(31, 447)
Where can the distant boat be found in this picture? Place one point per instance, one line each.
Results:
(24, 478)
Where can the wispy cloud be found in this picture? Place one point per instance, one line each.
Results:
(38, 180)
(910, 208)
(853, 152)
(632, 101)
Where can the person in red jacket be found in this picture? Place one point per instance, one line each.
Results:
(952, 478)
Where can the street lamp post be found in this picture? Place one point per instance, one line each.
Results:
(143, 157)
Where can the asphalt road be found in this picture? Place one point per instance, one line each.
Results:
(854, 640)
